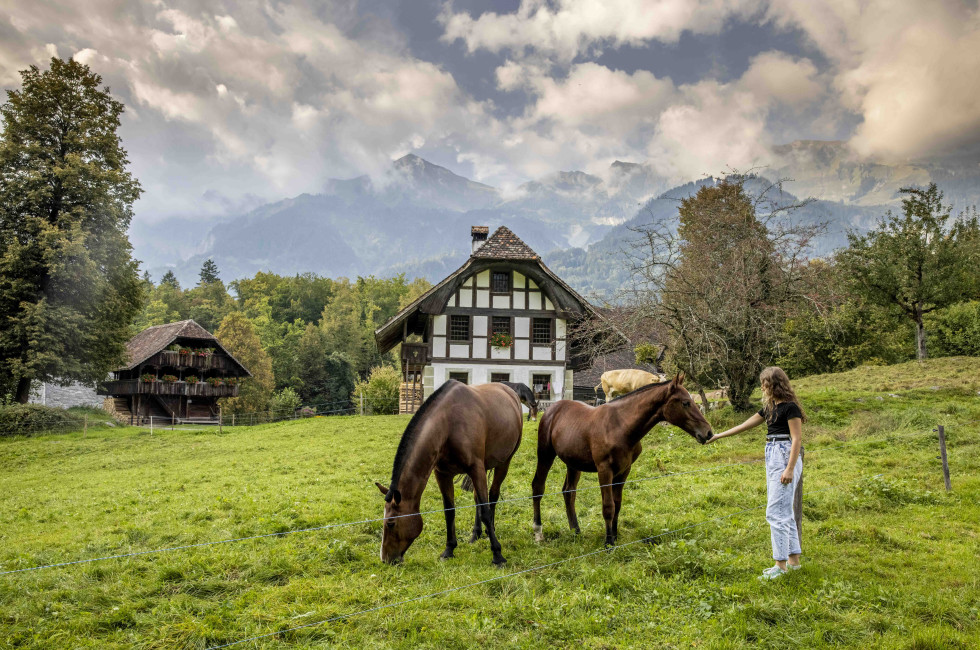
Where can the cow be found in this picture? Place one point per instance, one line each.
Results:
(619, 382)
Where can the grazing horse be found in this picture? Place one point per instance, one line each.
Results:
(620, 382)
(606, 439)
(526, 395)
(460, 429)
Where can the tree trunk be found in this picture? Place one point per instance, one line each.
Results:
(738, 395)
(920, 337)
(23, 390)
(704, 399)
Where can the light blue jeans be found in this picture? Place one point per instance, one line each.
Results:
(779, 503)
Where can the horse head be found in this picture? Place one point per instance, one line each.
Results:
(681, 411)
(402, 525)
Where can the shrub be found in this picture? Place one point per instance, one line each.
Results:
(380, 391)
(213, 381)
(170, 379)
(285, 401)
(955, 330)
(27, 419)
(193, 379)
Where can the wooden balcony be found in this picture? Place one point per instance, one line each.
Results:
(415, 354)
(168, 359)
(135, 386)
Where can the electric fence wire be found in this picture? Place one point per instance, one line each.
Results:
(426, 512)
(533, 569)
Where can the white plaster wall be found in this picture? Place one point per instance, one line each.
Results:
(480, 374)
(560, 328)
(462, 351)
(522, 326)
(479, 326)
(522, 350)
(479, 348)
(483, 279)
(438, 346)
(548, 305)
(465, 297)
(518, 280)
(534, 301)
(482, 299)
(501, 302)
(439, 325)
(539, 353)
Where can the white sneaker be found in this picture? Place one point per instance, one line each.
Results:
(772, 573)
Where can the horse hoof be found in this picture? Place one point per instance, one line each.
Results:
(500, 563)
(446, 555)
(473, 538)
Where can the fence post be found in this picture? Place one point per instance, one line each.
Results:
(251, 419)
(85, 427)
(220, 430)
(362, 402)
(232, 419)
(151, 425)
(942, 452)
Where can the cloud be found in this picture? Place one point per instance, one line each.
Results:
(269, 99)
(568, 28)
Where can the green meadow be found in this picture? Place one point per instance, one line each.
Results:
(890, 561)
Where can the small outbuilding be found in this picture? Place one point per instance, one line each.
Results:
(177, 372)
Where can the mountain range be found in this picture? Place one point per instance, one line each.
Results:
(416, 218)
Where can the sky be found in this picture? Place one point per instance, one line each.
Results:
(232, 103)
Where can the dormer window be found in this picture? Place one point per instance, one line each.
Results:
(500, 282)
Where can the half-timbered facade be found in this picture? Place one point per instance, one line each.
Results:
(502, 316)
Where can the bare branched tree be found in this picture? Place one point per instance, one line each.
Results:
(718, 281)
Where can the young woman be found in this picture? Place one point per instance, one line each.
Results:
(784, 418)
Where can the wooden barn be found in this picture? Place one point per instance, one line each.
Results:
(502, 316)
(176, 371)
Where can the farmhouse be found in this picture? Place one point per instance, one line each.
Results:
(502, 316)
(176, 371)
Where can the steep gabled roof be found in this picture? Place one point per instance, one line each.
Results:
(503, 244)
(156, 339)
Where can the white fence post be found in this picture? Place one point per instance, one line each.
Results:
(362, 402)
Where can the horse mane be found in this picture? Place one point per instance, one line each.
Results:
(410, 436)
(641, 389)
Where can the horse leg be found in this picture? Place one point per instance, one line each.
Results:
(618, 501)
(499, 474)
(479, 477)
(445, 482)
(568, 491)
(477, 525)
(606, 479)
(546, 458)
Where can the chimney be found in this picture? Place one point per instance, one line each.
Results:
(479, 234)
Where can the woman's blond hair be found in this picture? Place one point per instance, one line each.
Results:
(775, 389)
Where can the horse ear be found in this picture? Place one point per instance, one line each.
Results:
(383, 489)
(678, 380)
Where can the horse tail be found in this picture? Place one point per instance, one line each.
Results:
(467, 483)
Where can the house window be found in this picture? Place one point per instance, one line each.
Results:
(459, 328)
(541, 331)
(500, 325)
(499, 376)
(541, 385)
(500, 282)
(462, 377)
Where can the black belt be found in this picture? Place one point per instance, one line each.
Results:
(778, 439)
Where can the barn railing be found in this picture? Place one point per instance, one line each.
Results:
(168, 358)
(136, 386)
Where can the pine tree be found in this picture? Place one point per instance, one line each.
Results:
(69, 288)
(209, 272)
(170, 279)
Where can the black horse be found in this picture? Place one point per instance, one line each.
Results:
(526, 396)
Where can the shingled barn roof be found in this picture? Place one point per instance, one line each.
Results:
(503, 244)
(156, 339)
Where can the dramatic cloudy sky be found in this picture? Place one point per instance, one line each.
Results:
(233, 101)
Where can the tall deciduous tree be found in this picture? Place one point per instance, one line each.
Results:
(69, 288)
(916, 262)
(238, 336)
(718, 284)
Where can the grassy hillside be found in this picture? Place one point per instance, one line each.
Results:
(889, 562)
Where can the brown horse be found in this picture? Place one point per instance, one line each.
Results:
(606, 439)
(460, 429)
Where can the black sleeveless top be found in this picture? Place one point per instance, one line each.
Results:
(777, 426)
